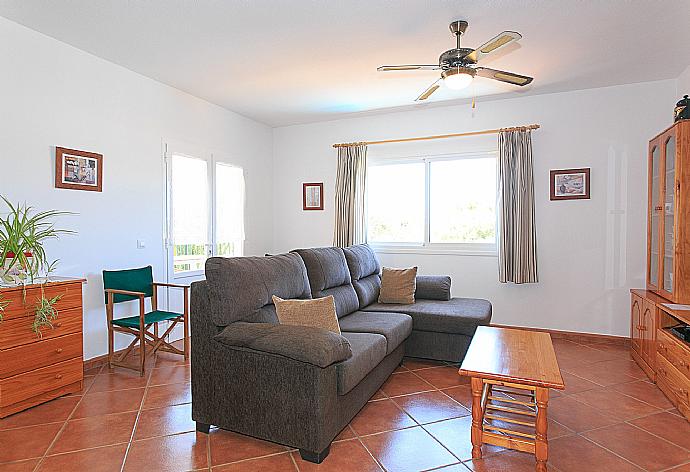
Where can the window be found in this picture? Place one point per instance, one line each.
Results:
(229, 210)
(205, 211)
(435, 202)
(190, 205)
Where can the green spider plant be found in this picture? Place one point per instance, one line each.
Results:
(22, 235)
(44, 314)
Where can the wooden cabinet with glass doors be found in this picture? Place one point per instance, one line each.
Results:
(668, 247)
(668, 224)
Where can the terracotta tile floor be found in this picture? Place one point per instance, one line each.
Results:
(609, 418)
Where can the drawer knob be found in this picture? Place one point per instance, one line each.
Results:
(58, 376)
(57, 325)
(58, 350)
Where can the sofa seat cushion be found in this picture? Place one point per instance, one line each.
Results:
(395, 327)
(456, 316)
(368, 349)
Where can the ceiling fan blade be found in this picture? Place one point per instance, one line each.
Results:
(407, 67)
(503, 76)
(493, 44)
(427, 93)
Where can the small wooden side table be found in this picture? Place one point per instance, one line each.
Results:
(511, 372)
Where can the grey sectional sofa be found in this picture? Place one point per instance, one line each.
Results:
(301, 386)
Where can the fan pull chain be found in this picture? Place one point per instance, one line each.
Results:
(474, 103)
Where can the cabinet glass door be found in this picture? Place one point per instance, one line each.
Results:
(654, 207)
(669, 211)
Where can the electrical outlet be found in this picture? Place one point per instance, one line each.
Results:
(141, 244)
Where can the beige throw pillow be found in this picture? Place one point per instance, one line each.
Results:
(317, 312)
(398, 285)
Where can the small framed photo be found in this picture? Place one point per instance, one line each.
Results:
(570, 184)
(78, 170)
(312, 196)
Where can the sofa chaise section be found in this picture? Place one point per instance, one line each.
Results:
(442, 326)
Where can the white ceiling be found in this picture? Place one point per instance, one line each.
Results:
(292, 61)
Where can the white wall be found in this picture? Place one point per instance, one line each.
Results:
(684, 83)
(590, 251)
(52, 94)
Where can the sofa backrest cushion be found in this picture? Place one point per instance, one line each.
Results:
(328, 275)
(241, 287)
(365, 272)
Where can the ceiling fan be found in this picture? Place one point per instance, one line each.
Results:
(459, 65)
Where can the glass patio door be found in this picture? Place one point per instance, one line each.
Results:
(204, 211)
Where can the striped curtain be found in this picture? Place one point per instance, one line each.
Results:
(517, 233)
(350, 221)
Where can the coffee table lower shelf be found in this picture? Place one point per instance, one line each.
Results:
(510, 415)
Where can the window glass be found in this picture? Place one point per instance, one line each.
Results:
(462, 201)
(229, 210)
(395, 211)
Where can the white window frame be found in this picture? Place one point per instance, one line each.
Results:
(427, 247)
(184, 149)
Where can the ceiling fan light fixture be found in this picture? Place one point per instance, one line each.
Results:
(458, 78)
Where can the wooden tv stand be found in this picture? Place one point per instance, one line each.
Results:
(664, 357)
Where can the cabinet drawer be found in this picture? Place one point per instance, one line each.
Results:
(674, 352)
(21, 305)
(39, 381)
(675, 381)
(39, 354)
(18, 331)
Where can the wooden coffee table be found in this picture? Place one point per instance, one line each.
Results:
(511, 371)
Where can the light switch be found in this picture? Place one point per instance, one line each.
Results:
(141, 244)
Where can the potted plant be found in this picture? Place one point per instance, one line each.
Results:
(22, 235)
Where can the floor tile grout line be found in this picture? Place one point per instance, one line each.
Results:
(64, 425)
(289, 450)
(639, 399)
(611, 389)
(657, 436)
(208, 448)
(609, 450)
(428, 432)
(435, 469)
(294, 462)
(136, 422)
(674, 467)
(374, 458)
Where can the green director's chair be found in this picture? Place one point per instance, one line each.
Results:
(137, 284)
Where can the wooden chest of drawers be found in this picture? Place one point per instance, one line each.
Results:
(673, 370)
(33, 368)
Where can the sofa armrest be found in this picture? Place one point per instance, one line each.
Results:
(433, 287)
(313, 346)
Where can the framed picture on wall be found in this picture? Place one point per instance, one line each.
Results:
(570, 184)
(78, 170)
(312, 196)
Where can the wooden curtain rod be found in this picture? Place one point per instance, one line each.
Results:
(439, 136)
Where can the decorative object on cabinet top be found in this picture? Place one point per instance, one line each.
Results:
(682, 110)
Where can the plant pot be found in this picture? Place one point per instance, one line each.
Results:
(13, 273)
